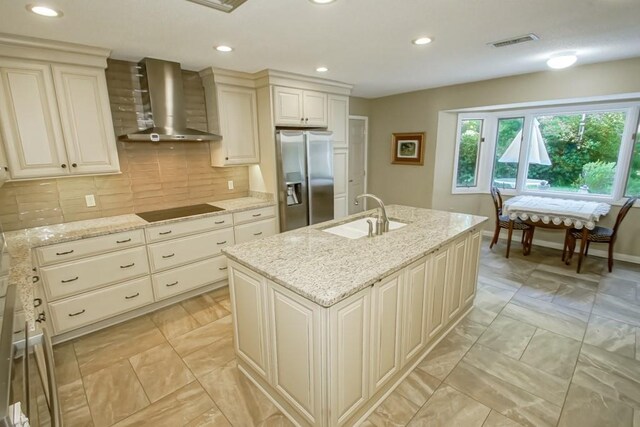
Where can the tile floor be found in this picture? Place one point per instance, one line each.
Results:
(543, 346)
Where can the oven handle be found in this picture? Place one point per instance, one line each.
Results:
(54, 403)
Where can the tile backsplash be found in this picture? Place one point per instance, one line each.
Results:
(154, 176)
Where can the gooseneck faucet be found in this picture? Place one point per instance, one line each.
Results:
(382, 224)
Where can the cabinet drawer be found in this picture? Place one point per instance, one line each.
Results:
(88, 308)
(91, 246)
(255, 230)
(254, 215)
(191, 276)
(189, 249)
(90, 273)
(182, 228)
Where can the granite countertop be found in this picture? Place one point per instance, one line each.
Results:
(21, 242)
(326, 268)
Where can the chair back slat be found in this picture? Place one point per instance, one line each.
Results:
(623, 212)
(497, 201)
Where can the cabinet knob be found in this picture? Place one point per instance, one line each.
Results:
(6, 169)
(302, 119)
(63, 166)
(75, 165)
(306, 120)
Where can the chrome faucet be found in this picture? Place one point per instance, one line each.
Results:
(382, 223)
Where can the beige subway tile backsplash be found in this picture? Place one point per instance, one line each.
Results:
(153, 176)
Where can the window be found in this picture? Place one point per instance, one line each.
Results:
(582, 151)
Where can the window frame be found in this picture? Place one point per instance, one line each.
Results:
(489, 147)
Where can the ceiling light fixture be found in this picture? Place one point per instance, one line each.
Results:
(422, 41)
(322, 1)
(322, 69)
(563, 61)
(44, 11)
(223, 48)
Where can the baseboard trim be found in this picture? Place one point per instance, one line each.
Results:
(554, 245)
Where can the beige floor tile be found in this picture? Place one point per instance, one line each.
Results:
(210, 357)
(276, 420)
(509, 400)
(636, 418)
(114, 394)
(621, 288)
(395, 410)
(108, 337)
(519, 374)
(542, 285)
(469, 329)
(591, 268)
(73, 404)
(575, 296)
(609, 374)
(444, 357)
(586, 408)
(449, 407)
(161, 371)
(176, 409)
(488, 303)
(507, 336)
(67, 370)
(418, 386)
(637, 343)
(496, 419)
(205, 309)
(611, 335)
(202, 337)
(617, 309)
(174, 321)
(212, 418)
(485, 279)
(552, 353)
(242, 403)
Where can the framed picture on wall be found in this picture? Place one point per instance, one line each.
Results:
(407, 148)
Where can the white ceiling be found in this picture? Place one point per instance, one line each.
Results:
(363, 42)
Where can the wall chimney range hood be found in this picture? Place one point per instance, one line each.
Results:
(164, 106)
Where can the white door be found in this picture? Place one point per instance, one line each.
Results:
(86, 120)
(340, 187)
(239, 124)
(288, 106)
(30, 121)
(314, 108)
(357, 161)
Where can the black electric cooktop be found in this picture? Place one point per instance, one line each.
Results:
(164, 214)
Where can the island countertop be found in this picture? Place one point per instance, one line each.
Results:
(326, 268)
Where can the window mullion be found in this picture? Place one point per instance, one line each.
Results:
(523, 165)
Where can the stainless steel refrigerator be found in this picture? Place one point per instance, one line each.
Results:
(305, 177)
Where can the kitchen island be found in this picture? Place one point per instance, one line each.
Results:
(327, 326)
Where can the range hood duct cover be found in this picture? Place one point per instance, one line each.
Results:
(164, 106)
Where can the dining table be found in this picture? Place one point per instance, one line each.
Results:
(555, 213)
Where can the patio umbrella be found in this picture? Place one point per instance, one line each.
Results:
(537, 148)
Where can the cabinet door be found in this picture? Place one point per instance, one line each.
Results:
(30, 121)
(4, 165)
(340, 185)
(439, 277)
(416, 299)
(349, 322)
(386, 321)
(314, 108)
(238, 124)
(249, 321)
(85, 115)
(471, 268)
(294, 325)
(288, 106)
(453, 287)
(339, 120)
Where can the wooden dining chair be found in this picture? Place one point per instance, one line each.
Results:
(502, 221)
(599, 234)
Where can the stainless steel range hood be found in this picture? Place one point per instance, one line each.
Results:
(164, 106)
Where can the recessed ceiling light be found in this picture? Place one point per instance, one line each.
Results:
(223, 48)
(421, 41)
(322, 1)
(44, 11)
(563, 61)
(322, 69)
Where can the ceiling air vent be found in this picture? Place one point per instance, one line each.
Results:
(223, 5)
(516, 40)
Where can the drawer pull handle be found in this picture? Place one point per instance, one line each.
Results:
(168, 256)
(219, 222)
(133, 296)
(257, 234)
(70, 280)
(35, 279)
(37, 302)
(77, 314)
(128, 265)
(64, 253)
(168, 285)
(222, 243)
(124, 241)
(257, 215)
(222, 268)
(164, 233)
(42, 317)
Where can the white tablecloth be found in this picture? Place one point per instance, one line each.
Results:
(576, 213)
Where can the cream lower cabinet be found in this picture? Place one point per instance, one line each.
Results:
(453, 288)
(417, 282)
(436, 290)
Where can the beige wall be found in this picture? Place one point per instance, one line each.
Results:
(430, 185)
(359, 106)
(154, 176)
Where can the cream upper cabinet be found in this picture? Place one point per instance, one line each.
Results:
(339, 120)
(56, 120)
(238, 119)
(297, 107)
